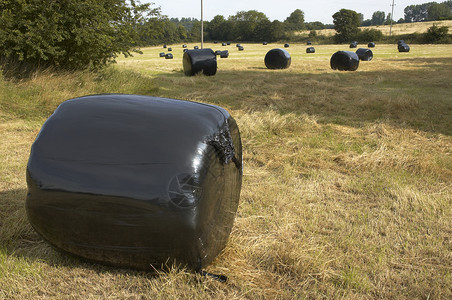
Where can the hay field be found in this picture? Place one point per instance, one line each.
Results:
(397, 29)
(346, 189)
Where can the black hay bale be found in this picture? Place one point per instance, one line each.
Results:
(238, 45)
(264, 43)
(365, 54)
(241, 48)
(196, 47)
(286, 45)
(344, 61)
(404, 48)
(185, 50)
(371, 45)
(308, 43)
(136, 181)
(200, 60)
(354, 44)
(169, 56)
(164, 45)
(277, 59)
(217, 52)
(224, 54)
(310, 50)
(184, 46)
(170, 49)
(162, 54)
(400, 42)
(215, 42)
(223, 44)
(228, 43)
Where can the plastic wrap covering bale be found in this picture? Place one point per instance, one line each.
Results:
(404, 48)
(170, 49)
(344, 61)
(217, 52)
(238, 45)
(371, 45)
(169, 56)
(184, 46)
(162, 54)
(224, 54)
(286, 45)
(365, 54)
(223, 44)
(185, 50)
(136, 181)
(200, 60)
(277, 59)
(215, 42)
(196, 47)
(354, 44)
(241, 48)
(264, 43)
(228, 43)
(308, 43)
(310, 50)
(164, 45)
(400, 42)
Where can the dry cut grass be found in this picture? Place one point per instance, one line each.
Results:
(347, 178)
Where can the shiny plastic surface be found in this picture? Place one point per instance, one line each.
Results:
(365, 54)
(310, 50)
(403, 47)
(277, 59)
(136, 181)
(344, 61)
(371, 45)
(200, 60)
(224, 54)
(354, 44)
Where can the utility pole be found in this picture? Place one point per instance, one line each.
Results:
(392, 16)
(202, 28)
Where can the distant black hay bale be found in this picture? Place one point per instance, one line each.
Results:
(224, 54)
(228, 43)
(286, 45)
(185, 50)
(400, 42)
(223, 44)
(196, 47)
(184, 46)
(371, 45)
(354, 44)
(169, 56)
(404, 48)
(215, 42)
(277, 59)
(308, 43)
(264, 43)
(344, 61)
(241, 48)
(238, 45)
(164, 45)
(310, 50)
(200, 60)
(217, 52)
(365, 54)
(162, 54)
(170, 49)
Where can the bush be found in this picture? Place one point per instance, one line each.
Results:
(73, 34)
(369, 35)
(436, 34)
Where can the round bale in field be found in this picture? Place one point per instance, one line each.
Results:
(162, 54)
(195, 47)
(238, 45)
(277, 59)
(264, 43)
(344, 61)
(286, 45)
(403, 48)
(164, 45)
(354, 44)
(184, 46)
(200, 60)
(224, 54)
(365, 54)
(217, 52)
(371, 45)
(400, 42)
(310, 50)
(136, 181)
(170, 49)
(308, 43)
(169, 56)
(241, 48)
(223, 44)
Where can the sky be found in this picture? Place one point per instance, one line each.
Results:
(314, 10)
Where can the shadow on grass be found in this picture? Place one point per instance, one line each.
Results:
(418, 98)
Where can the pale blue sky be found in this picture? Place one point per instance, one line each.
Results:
(314, 10)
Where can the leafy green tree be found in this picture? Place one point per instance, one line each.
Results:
(438, 11)
(295, 21)
(245, 23)
(68, 34)
(346, 23)
(378, 18)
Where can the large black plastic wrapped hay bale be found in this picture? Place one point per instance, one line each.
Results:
(365, 54)
(136, 181)
(200, 60)
(277, 59)
(310, 50)
(344, 61)
(224, 54)
(371, 45)
(403, 48)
